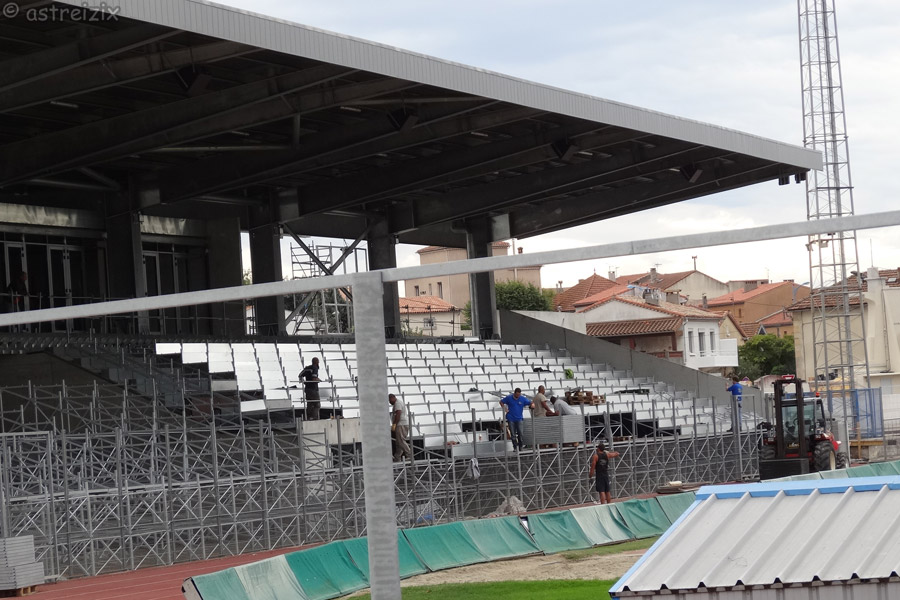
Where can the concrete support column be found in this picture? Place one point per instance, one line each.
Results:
(481, 285)
(383, 255)
(378, 474)
(125, 258)
(224, 265)
(265, 263)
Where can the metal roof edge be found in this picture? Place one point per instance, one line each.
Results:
(617, 586)
(223, 22)
(800, 488)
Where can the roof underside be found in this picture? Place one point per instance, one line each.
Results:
(205, 112)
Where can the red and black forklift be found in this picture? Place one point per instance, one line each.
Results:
(800, 440)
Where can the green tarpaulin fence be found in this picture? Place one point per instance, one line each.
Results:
(220, 585)
(269, 579)
(503, 537)
(409, 563)
(326, 571)
(645, 518)
(557, 531)
(444, 546)
(602, 525)
(674, 505)
(861, 471)
(887, 468)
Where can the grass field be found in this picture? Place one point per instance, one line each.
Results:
(577, 589)
(612, 549)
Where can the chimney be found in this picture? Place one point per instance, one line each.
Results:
(654, 278)
(673, 297)
(750, 285)
(874, 282)
(705, 301)
(611, 275)
(651, 297)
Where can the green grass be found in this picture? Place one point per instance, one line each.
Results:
(612, 549)
(577, 589)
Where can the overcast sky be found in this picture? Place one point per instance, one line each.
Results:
(733, 64)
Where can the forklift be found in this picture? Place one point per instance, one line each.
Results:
(800, 441)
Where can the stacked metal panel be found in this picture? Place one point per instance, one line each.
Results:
(18, 568)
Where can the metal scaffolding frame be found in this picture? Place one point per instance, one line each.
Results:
(838, 326)
(377, 472)
(329, 311)
(122, 496)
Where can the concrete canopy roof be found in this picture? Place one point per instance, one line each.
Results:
(205, 111)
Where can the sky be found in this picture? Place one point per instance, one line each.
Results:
(734, 64)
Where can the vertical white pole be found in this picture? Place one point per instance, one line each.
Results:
(381, 517)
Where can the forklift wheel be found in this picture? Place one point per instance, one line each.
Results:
(823, 456)
(842, 461)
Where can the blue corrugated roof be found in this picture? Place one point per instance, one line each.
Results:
(799, 488)
(738, 535)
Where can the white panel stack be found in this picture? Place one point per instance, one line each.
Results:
(18, 568)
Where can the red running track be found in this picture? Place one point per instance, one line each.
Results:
(155, 583)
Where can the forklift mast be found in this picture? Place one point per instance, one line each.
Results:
(780, 384)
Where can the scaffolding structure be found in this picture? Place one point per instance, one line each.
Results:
(327, 311)
(838, 328)
(108, 479)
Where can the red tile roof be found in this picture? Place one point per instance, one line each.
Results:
(664, 281)
(584, 289)
(424, 305)
(740, 296)
(891, 279)
(677, 310)
(436, 248)
(779, 318)
(634, 327)
(749, 329)
(591, 301)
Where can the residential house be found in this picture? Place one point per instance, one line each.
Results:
(640, 319)
(430, 315)
(585, 288)
(881, 312)
(779, 323)
(693, 285)
(455, 288)
(754, 302)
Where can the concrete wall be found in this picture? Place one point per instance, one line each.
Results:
(577, 322)
(521, 329)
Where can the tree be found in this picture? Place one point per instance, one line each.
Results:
(515, 295)
(767, 355)
(466, 317)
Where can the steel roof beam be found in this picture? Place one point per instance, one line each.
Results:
(185, 121)
(547, 183)
(328, 148)
(455, 165)
(98, 76)
(45, 63)
(561, 213)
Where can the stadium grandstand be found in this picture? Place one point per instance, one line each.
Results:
(142, 426)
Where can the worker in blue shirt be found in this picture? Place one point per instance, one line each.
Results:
(737, 392)
(514, 404)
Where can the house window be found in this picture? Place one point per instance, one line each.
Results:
(690, 341)
(429, 290)
(440, 289)
(702, 338)
(712, 341)
(429, 322)
(417, 291)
